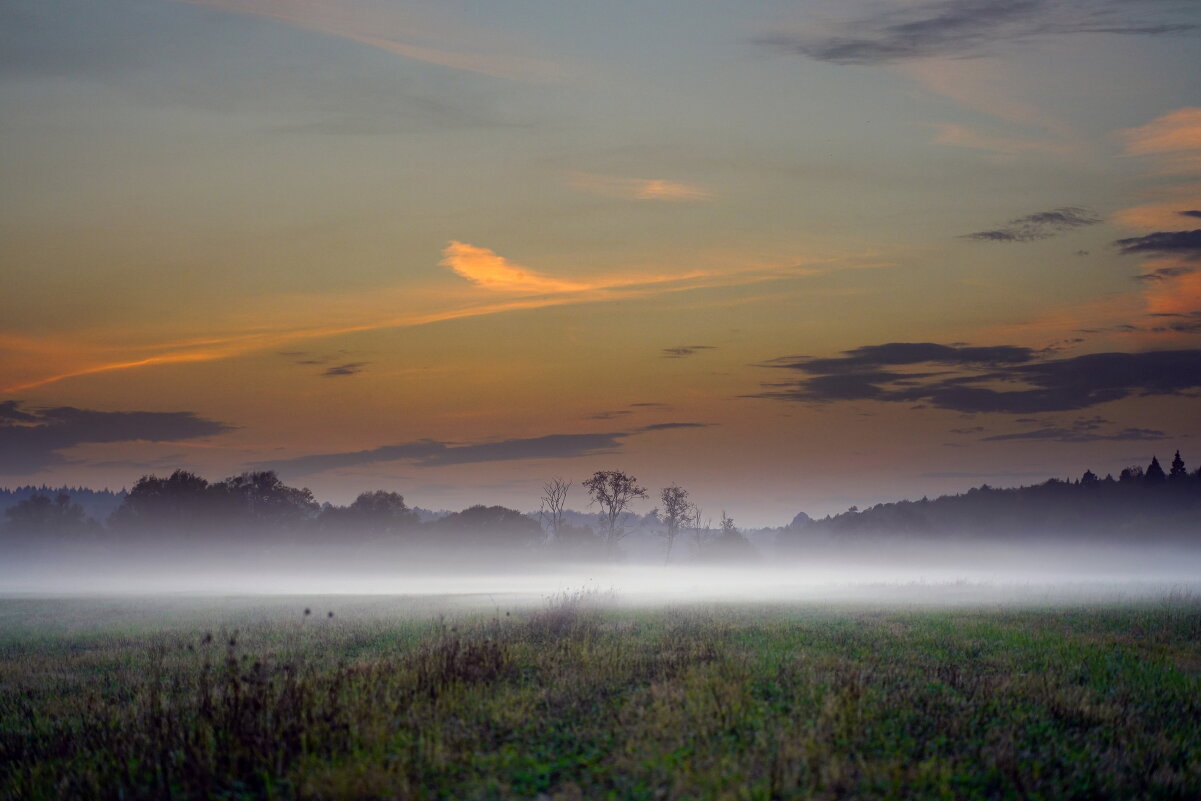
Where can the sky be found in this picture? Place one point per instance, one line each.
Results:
(791, 256)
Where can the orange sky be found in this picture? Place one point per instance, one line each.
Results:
(588, 238)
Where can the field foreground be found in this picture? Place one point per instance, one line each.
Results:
(580, 698)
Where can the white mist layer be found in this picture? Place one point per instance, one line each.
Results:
(911, 573)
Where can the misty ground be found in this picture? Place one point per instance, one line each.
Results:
(960, 690)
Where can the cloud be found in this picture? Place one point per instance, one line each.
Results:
(487, 269)
(1188, 242)
(522, 289)
(392, 28)
(1173, 138)
(637, 188)
(353, 368)
(435, 453)
(1081, 431)
(33, 440)
(1040, 225)
(966, 379)
(966, 28)
(1190, 213)
(683, 351)
(1166, 273)
(671, 426)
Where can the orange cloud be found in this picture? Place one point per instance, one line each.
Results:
(394, 29)
(1175, 138)
(637, 188)
(1162, 215)
(484, 267)
(481, 266)
(963, 136)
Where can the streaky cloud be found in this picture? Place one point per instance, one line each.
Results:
(684, 351)
(965, 28)
(1040, 225)
(33, 440)
(1162, 242)
(969, 382)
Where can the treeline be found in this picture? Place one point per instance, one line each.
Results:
(1140, 504)
(257, 507)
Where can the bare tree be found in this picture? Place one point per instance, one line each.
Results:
(554, 496)
(613, 491)
(699, 528)
(673, 514)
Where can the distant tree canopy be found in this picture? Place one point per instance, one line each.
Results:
(378, 511)
(185, 501)
(486, 525)
(1142, 504)
(39, 516)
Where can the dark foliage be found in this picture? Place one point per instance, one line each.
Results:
(1142, 505)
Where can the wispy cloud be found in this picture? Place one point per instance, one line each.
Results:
(637, 188)
(1173, 139)
(965, 28)
(351, 368)
(400, 28)
(1040, 225)
(436, 453)
(684, 351)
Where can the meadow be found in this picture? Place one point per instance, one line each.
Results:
(579, 696)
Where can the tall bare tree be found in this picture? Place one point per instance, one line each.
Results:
(613, 491)
(554, 496)
(673, 514)
(699, 527)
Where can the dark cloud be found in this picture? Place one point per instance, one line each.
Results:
(1165, 273)
(972, 430)
(434, 453)
(1059, 434)
(976, 377)
(32, 440)
(352, 368)
(683, 351)
(1040, 225)
(1191, 213)
(647, 405)
(894, 354)
(669, 426)
(1187, 242)
(609, 415)
(965, 28)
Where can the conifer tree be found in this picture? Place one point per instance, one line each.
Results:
(1178, 471)
(1154, 474)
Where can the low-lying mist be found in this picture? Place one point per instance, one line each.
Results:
(878, 571)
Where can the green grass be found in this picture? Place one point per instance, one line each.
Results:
(580, 699)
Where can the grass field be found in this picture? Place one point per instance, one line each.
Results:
(581, 698)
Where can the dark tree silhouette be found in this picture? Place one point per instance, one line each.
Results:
(1089, 479)
(264, 499)
(39, 516)
(1154, 474)
(1132, 473)
(179, 502)
(492, 526)
(554, 497)
(673, 514)
(613, 491)
(1178, 470)
(379, 512)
